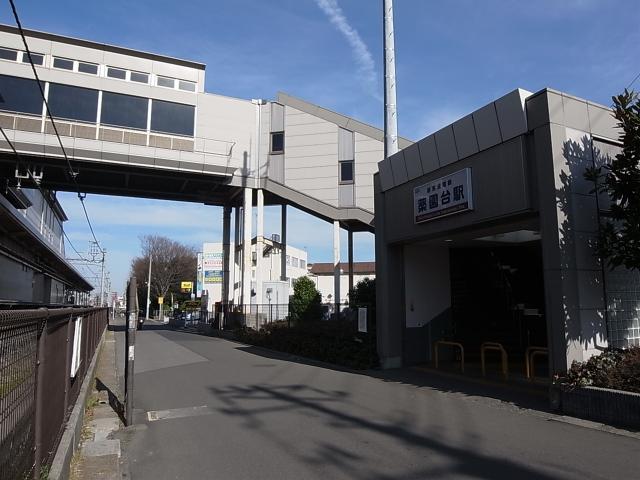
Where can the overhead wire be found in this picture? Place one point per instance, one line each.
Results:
(71, 173)
(633, 81)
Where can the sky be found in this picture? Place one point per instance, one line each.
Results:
(452, 57)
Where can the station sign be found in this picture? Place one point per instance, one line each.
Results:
(443, 196)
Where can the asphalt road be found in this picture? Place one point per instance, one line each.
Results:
(221, 410)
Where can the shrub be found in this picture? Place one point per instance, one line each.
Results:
(615, 369)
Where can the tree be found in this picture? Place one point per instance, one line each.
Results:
(173, 262)
(305, 301)
(619, 239)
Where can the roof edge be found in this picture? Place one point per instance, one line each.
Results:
(341, 120)
(102, 46)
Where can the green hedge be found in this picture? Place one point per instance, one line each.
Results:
(614, 369)
(328, 341)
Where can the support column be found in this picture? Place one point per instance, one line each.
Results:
(283, 239)
(259, 246)
(350, 244)
(336, 267)
(237, 258)
(226, 246)
(246, 249)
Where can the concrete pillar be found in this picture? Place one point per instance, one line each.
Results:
(336, 266)
(350, 244)
(246, 249)
(259, 246)
(283, 239)
(226, 246)
(237, 259)
(390, 312)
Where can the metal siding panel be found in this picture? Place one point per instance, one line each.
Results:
(511, 115)
(277, 117)
(345, 144)
(428, 154)
(412, 161)
(345, 195)
(398, 168)
(446, 145)
(486, 125)
(465, 137)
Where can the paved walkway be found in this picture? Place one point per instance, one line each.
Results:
(208, 408)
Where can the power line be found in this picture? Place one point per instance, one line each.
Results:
(633, 81)
(72, 174)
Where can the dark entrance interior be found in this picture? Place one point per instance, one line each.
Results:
(497, 295)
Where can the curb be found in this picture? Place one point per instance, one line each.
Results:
(60, 467)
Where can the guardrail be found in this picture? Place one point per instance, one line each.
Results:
(530, 354)
(495, 346)
(452, 344)
(44, 357)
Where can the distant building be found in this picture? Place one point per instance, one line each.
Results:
(322, 275)
(33, 268)
(276, 288)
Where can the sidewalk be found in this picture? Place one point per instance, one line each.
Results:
(99, 454)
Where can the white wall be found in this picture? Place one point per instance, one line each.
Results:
(325, 285)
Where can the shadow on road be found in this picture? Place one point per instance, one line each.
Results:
(116, 405)
(333, 408)
(534, 398)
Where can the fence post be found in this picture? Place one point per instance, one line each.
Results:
(67, 366)
(130, 345)
(40, 375)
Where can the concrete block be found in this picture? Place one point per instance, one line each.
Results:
(590, 289)
(398, 168)
(465, 137)
(576, 115)
(386, 175)
(428, 154)
(486, 125)
(446, 145)
(511, 115)
(101, 448)
(602, 122)
(412, 161)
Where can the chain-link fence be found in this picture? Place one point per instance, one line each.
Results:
(44, 357)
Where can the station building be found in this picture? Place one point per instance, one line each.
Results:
(486, 231)
(33, 267)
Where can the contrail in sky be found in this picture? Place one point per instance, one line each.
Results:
(363, 57)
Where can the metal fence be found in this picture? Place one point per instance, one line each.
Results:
(44, 357)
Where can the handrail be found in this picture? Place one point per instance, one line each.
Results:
(495, 346)
(530, 354)
(453, 344)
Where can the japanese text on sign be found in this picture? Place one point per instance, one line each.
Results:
(443, 196)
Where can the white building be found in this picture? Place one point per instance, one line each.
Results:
(276, 287)
(323, 276)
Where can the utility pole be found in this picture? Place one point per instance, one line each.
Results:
(149, 288)
(104, 252)
(130, 347)
(390, 110)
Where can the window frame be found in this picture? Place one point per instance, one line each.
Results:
(106, 73)
(24, 58)
(271, 150)
(79, 62)
(17, 52)
(63, 59)
(162, 77)
(353, 172)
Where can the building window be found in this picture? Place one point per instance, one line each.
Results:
(20, 95)
(73, 103)
(186, 86)
(139, 77)
(277, 142)
(116, 73)
(90, 68)
(172, 118)
(36, 58)
(294, 262)
(303, 264)
(7, 54)
(124, 110)
(166, 82)
(346, 171)
(288, 260)
(63, 63)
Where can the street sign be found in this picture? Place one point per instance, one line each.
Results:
(160, 300)
(186, 285)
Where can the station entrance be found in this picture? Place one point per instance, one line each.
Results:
(497, 310)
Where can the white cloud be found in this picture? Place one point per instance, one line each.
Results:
(361, 53)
